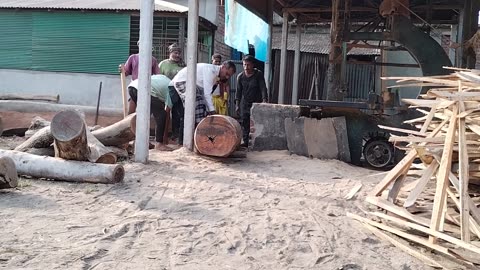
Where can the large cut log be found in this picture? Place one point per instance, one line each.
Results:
(118, 133)
(218, 136)
(8, 173)
(98, 152)
(66, 170)
(70, 136)
(73, 141)
(41, 139)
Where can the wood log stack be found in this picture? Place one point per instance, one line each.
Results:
(80, 155)
(427, 198)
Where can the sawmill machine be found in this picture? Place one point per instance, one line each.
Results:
(368, 143)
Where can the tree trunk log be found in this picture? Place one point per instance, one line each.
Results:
(218, 136)
(69, 131)
(41, 139)
(98, 152)
(66, 170)
(8, 173)
(119, 133)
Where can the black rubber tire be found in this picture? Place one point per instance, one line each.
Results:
(378, 153)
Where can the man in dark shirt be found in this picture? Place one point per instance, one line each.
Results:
(251, 89)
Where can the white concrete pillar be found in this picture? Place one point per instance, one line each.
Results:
(192, 40)
(142, 133)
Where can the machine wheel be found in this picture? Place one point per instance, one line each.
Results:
(378, 153)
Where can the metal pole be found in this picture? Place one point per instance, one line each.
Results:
(268, 62)
(283, 59)
(98, 103)
(296, 66)
(142, 133)
(189, 124)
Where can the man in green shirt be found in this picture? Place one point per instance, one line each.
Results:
(160, 106)
(171, 66)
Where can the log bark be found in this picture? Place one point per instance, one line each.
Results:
(98, 152)
(118, 133)
(217, 136)
(41, 139)
(64, 170)
(70, 137)
(8, 173)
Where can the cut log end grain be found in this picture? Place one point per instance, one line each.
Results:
(69, 131)
(118, 174)
(67, 125)
(218, 136)
(8, 173)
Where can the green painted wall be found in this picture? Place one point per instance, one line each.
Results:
(64, 41)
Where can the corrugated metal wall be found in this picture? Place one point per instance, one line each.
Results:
(16, 44)
(64, 41)
(307, 71)
(359, 77)
(360, 81)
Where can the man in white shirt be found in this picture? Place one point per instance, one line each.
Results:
(208, 76)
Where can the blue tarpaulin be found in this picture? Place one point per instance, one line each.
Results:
(242, 28)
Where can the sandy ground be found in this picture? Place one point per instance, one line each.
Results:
(182, 211)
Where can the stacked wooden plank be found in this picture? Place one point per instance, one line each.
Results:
(428, 198)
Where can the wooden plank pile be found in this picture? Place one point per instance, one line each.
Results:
(428, 198)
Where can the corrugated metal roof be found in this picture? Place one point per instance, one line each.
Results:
(91, 5)
(316, 43)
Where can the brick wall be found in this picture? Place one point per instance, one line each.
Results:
(219, 45)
